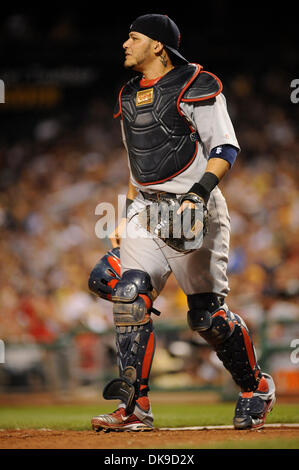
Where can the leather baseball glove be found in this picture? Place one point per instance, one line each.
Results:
(184, 232)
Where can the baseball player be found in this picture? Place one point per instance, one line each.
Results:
(180, 143)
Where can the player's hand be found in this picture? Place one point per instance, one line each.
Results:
(115, 236)
(185, 205)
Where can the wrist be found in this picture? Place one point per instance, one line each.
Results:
(205, 186)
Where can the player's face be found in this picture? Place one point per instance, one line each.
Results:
(138, 51)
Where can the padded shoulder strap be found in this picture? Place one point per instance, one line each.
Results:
(205, 86)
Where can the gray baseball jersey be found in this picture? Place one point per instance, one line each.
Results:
(203, 270)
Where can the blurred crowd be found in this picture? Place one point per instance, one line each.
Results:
(52, 183)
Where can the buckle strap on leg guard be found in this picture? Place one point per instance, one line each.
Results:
(121, 389)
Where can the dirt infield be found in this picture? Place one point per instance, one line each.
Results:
(156, 439)
(20, 436)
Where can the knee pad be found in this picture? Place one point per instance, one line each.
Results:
(105, 275)
(201, 306)
(133, 299)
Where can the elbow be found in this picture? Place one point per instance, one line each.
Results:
(226, 152)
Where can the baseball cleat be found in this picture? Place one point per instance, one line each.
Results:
(140, 420)
(252, 407)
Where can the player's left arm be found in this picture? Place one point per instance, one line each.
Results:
(218, 166)
(215, 171)
(217, 135)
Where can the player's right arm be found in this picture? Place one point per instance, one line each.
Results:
(115, 236)
(132, 191)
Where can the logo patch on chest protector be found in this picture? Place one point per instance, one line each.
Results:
(144, 97)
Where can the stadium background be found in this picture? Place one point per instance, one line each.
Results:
(61, 155)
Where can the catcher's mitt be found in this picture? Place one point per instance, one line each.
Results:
(183, 232)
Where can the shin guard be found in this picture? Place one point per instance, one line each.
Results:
(230, 338)
(135, 338)
(135, 352)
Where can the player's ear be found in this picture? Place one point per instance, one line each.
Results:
(158, 47)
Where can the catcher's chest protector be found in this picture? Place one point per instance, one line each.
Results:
(161, 143)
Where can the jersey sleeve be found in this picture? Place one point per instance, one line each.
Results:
(212, 122)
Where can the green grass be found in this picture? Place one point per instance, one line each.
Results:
(215, 414)
(77, 417)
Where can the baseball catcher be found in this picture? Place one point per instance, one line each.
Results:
(180, 143)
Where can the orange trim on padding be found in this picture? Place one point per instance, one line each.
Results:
(249, 348)
(113, 283)
(197, 71)
(147, 300)
(190, 100)
(148, 356)
(145, 83)
(119, 101)
(221, 313)
(175, 174)
(115, 264)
